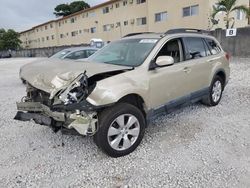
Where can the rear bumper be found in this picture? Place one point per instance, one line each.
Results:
(85, 123)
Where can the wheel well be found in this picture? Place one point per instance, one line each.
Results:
(135, 100)
(222, 75)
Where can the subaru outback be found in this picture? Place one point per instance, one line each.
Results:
(116, 93)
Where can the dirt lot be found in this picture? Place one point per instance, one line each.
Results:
(195, 146)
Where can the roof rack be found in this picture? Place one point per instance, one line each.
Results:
(186, 30)
(133, 34)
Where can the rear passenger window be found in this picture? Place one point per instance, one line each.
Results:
(195, 48)
(213, 46)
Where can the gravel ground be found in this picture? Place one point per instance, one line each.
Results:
(195, 146)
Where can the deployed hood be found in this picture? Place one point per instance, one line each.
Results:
(51, 74)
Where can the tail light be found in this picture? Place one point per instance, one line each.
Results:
(227, 56)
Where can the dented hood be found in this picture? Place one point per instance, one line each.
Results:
(51, 74)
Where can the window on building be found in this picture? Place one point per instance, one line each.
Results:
(240, 15)
(65, 21)
(59, 24)
(47, 38)
(117, 5)
(74, 33)
(51, 25)
(42, 39)
(162, 16)
(190, 11)
(37, 30)
(46, 27)
(105, 10)
(125, 3)
(141, 21)
(140, 1)
(52, 37)
(93, 30)
(118, 24)
(195, 48)
(125, 23)
(92, 14)
(72, 20)
(61, 36)
(106, 27)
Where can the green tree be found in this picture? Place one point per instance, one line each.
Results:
(67, 9)
(228, 6)
(9, 39)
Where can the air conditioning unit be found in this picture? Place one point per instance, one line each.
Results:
(132, 21)
(131, 1)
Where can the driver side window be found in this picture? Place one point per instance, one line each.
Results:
(172, 48)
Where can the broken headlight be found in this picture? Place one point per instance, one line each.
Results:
(77, 90)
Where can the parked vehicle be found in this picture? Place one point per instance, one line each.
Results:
(97, 43)
(5, 55)
(115, 95)
(75, 53)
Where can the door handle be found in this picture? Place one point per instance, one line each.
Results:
(187, 70)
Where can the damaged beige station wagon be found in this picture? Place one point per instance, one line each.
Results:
(116, 93)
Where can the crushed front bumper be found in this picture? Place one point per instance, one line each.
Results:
(85, 123)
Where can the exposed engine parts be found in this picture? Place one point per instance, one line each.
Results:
(77, 90)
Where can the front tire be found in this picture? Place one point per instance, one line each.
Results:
(121, 129)
(215, 92)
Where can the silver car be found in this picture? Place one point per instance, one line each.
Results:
(75, 53)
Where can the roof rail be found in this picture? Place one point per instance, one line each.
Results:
(186, 30)
(133, 34)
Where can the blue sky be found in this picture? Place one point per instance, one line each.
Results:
(24, 14)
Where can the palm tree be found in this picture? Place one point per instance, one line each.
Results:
(228, 6)
(248, 14)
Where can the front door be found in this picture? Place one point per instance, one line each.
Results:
(169, 84)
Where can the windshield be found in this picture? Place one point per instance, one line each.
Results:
(130, 52)
(60, 54)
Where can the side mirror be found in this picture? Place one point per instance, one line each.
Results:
(162, 61)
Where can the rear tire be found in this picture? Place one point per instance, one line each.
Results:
(215, 92)
(121, 129)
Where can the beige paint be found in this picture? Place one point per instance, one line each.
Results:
(130, 13)
(148, 84)
(156, 87)
(46, 75)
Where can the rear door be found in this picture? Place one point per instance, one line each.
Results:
(197, 63)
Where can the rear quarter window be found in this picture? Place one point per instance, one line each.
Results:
(213, 46)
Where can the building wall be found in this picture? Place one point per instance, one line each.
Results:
(76, 29)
